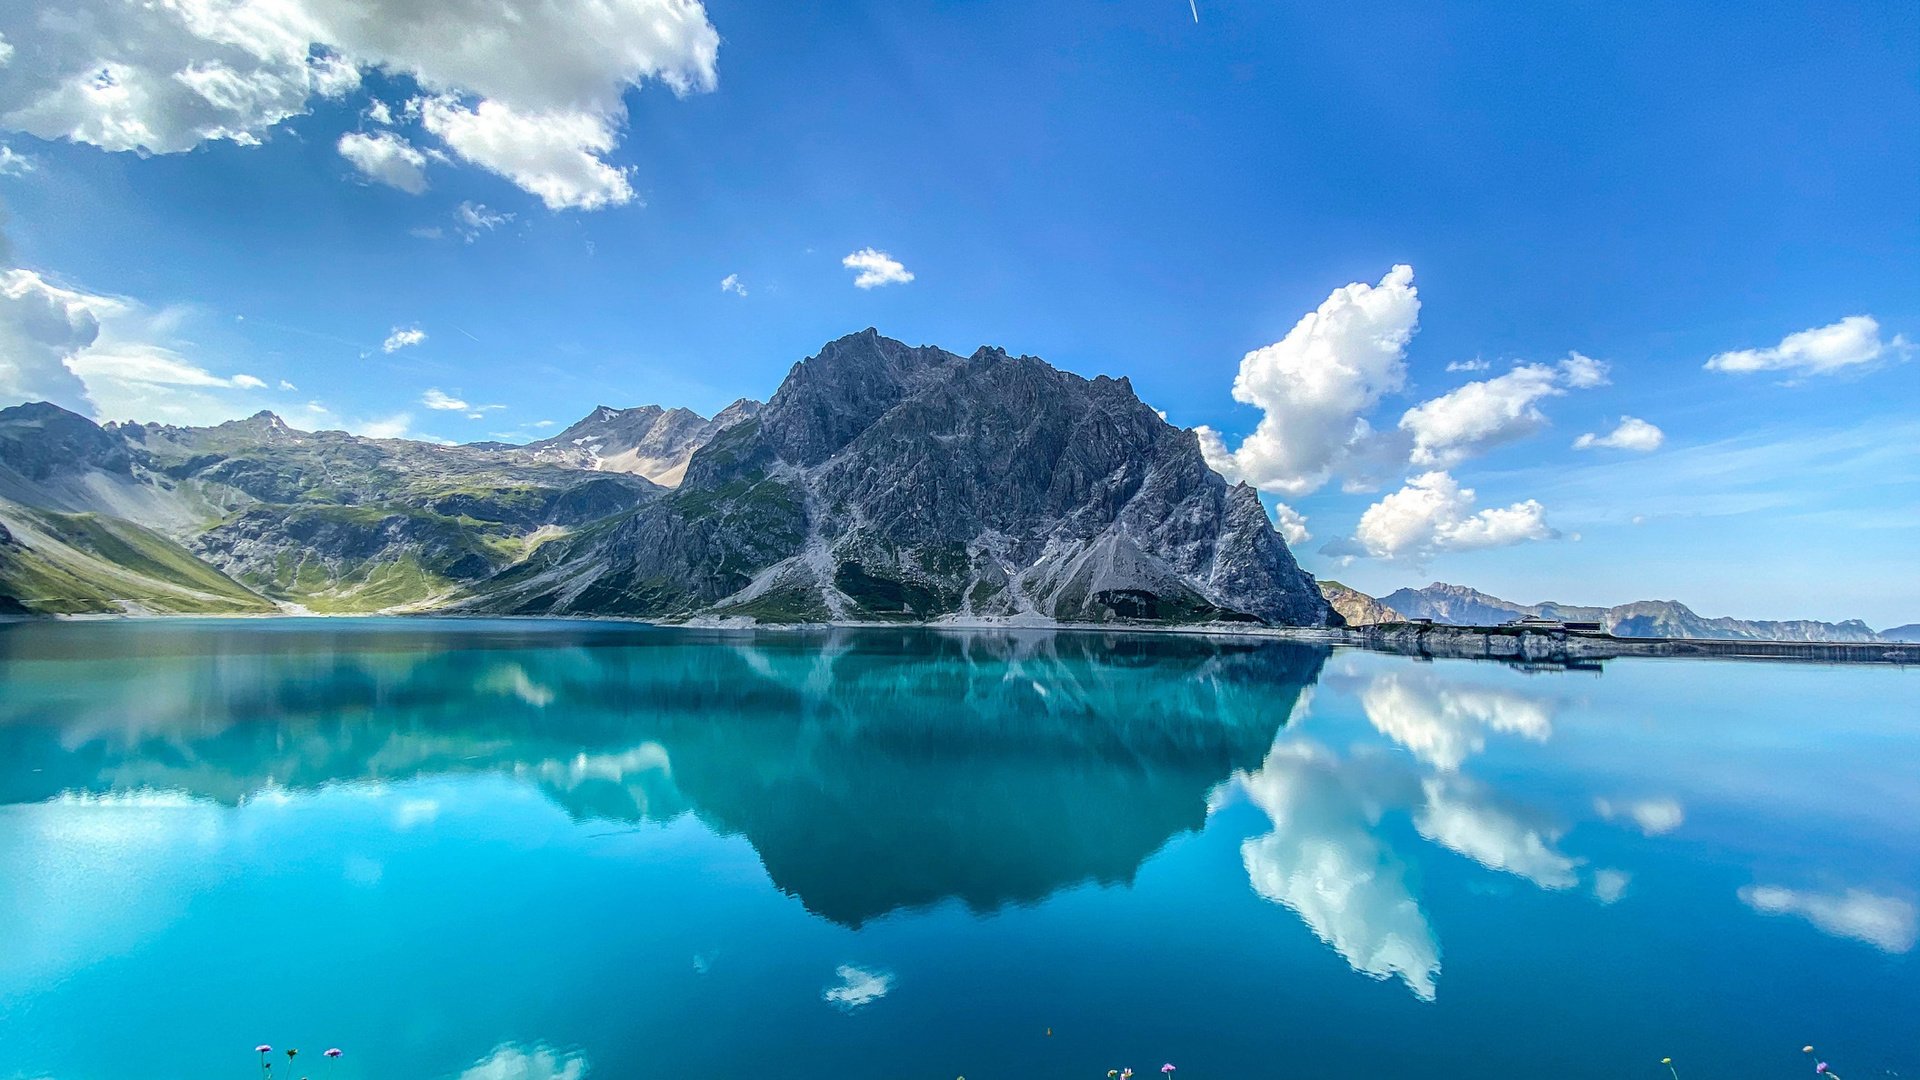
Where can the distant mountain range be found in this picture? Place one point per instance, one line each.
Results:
(1461, 606)
(880, 481)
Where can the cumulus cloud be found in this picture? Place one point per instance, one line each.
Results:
(1475, 364)
(1480, 415)
(732, 283)
(104, 356)
(387, 158)
(512, 1061)
(1654, 817)
(1460, 815)
(166, 77)
(1887, 923)
(1325, 862)
(858, 987)
(1314, 385)
(42, 326)
(1443, 723)
(441, 400)
(1822, 350)
(555, 154)
(1433, 513)
(1632, 434)
(402, 337)
(1291, 523)
(876, 268)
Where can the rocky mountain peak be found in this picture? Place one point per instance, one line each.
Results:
(891, 481)
(41, 440)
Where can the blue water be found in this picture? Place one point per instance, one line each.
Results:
(546, 851)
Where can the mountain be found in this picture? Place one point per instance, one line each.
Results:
(1454, 604)
(1356, 607)
(1909, 632)
(881, 481)
(111, 518)
(647, 441)
(1461, 606)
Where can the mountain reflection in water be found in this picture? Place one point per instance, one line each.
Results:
(871, 771)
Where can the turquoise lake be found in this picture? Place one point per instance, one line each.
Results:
(548, 851)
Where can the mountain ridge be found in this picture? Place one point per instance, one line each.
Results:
(880, 481)
(1460, 605)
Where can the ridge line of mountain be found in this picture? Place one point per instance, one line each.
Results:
(880, 481)
(1459, 605)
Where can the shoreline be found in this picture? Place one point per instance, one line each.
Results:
(1420, 641)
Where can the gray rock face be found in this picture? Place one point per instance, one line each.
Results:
(646, 441)
(39, 441)
(1460, 606)
(889, 481)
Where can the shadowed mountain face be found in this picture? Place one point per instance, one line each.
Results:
(989, 768)
(881, 482)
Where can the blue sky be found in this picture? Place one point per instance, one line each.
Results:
(1111, 186)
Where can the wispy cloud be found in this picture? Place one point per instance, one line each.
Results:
(1887, 923)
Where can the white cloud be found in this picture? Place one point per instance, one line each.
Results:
(379, 112)
(1443, 723)
(511, 1061)
(1888, 923)
(1475, 364)
(1610, 885)
(1655, 817)
(475, 218)
(876, 268)
(388, 158)
(1822, 350)
(402, 337)
(732, 283)
(288, 387)
(1433, 513)
(42, 326)
(166, 77)
(1291, 523)
(1461, 816)
(544, 423)
(387, 427)
(1632, 434)
(439, 399)
(1324, 861)
(413, 812)
(14, 163)
(555, 154)
(1314, 385)
(1479, 415)
(104, 356)
(858, 987)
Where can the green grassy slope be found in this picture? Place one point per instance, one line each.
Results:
(59, 563)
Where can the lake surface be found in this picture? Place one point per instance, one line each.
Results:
(522, 851)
